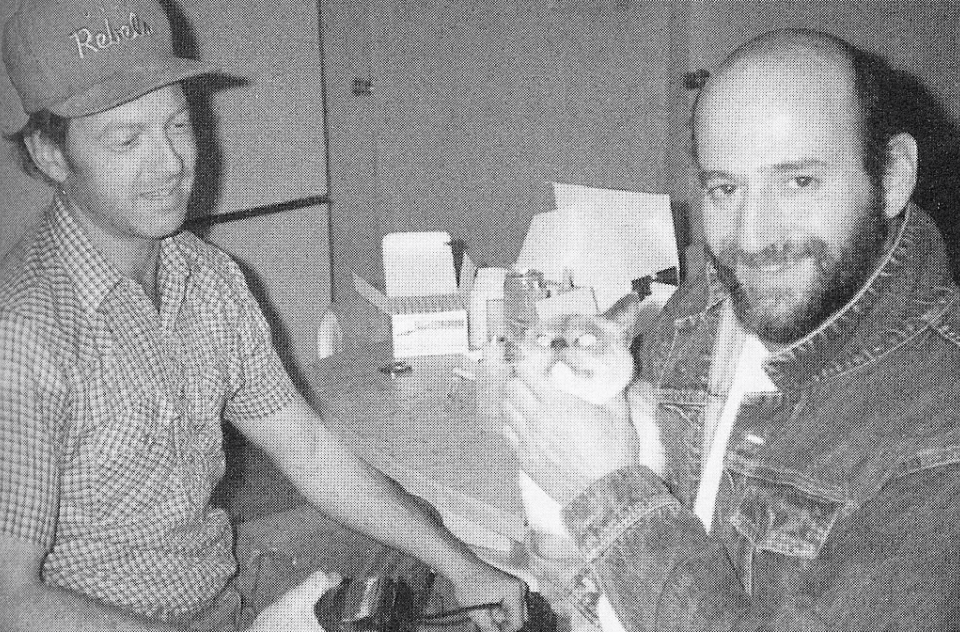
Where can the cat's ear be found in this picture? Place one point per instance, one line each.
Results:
(625, 312)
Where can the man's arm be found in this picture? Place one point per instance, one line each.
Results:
(890, 565)
(28, 605)
(351, 491)
(267, 409)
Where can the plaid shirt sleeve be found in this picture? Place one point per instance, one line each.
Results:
(264, 385)
(32, 408)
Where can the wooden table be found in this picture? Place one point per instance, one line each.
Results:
(421, 428)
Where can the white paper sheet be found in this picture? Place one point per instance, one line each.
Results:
(548, 246)
(605, 238)
(576, 301)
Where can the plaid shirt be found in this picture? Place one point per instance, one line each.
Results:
(110, 412)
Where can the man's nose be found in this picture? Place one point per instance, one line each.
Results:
(168, 156)
(759, 224)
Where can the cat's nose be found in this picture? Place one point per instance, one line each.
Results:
(558, 344)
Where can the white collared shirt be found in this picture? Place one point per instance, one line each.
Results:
(749, 376)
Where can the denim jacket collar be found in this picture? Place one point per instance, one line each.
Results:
(908, 290)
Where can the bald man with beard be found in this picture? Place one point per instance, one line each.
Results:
(789, 456)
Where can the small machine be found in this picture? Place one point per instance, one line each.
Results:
(386, 604)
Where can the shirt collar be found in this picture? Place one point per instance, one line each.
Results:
(910, 288)
(94, 276)
(173, 270)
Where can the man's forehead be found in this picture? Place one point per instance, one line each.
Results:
(787, 75)
(157, 105)
(777, 102)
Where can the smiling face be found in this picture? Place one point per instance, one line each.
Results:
(130, 169)
(791, 219)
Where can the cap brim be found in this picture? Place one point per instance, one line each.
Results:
(127, 86)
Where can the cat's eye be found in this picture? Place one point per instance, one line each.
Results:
(586, 340)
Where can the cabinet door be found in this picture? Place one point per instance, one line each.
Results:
(473, 107)
(268, 118)
(355, 211)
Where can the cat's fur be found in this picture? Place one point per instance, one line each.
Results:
(596, 352)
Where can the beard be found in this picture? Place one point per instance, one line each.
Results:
(768, 312)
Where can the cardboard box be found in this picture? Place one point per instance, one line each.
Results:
(427, 309)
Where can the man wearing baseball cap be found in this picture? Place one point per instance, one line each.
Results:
(124, 342)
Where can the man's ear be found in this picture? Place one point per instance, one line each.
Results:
(48, 158)
(900, 177)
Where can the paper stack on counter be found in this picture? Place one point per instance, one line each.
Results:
(602, 239)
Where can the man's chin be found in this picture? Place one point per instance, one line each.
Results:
(778, 317)
(168, 223)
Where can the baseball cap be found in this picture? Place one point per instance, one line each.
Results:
(80, 57)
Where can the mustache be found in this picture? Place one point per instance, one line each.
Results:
(726, 261)
(774, 254)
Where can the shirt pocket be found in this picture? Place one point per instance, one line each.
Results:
(783, 518)
(135, 472)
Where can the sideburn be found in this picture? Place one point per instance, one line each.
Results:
(837, 283)
(839, 280)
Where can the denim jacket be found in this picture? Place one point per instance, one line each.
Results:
(839, 506)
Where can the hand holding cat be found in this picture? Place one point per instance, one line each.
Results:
(563, 442)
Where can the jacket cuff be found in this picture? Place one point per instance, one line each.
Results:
(611, 505)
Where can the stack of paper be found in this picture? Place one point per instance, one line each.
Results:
(601, 238)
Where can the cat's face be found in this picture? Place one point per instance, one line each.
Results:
(587, 356)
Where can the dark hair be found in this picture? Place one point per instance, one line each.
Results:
(47, 124)
(879, 97)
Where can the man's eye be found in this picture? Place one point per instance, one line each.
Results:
(126, 141)
(802, 182)
(721, 191)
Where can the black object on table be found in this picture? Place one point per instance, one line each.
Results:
(385, 604)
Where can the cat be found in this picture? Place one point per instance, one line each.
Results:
(589, 357)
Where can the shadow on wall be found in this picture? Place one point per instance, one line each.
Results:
(209, 170)
(938, 140)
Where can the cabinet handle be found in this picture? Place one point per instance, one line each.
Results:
(362, 86)
(696, 79)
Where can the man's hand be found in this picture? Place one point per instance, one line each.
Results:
(293, 611)
(565, 443)
(486, 584)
